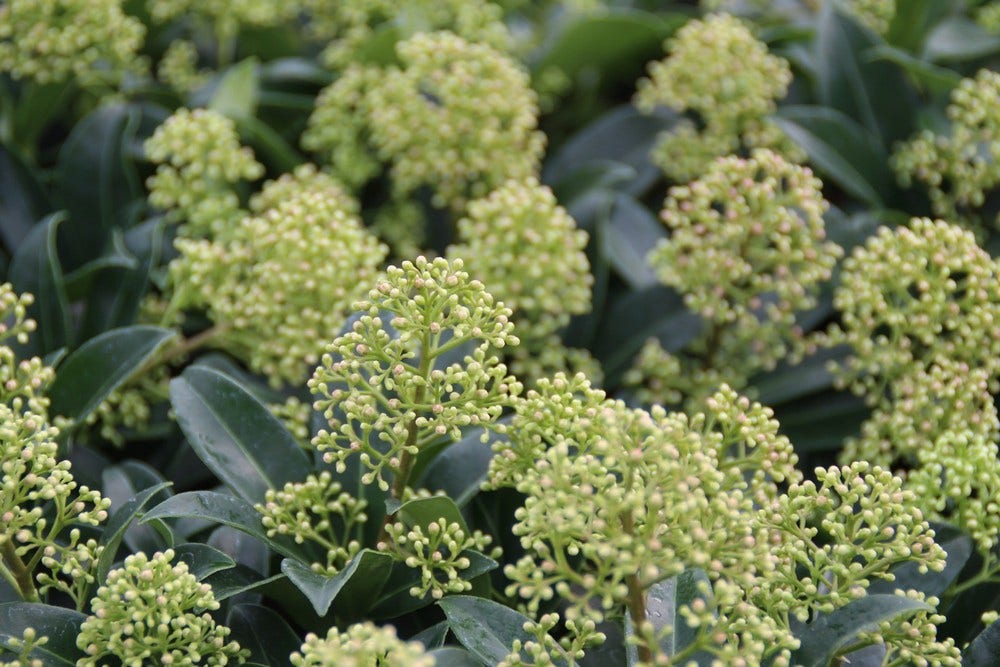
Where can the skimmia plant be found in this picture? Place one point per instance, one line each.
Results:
(495, 333)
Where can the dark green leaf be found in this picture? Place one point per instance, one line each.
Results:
(121, 519)
(957, 39)
(840, 149)
(36, 269)
(269, 145)
(433, 637)
(22, 199)
(452, 656)
(235, 435)
(632, 232)
(912, 20)
(822, 422)
(984, 649)
(787, 383)
(202, 560)
(486, 628)
(236, 94)
(425, 511)
(823, 639)
(361, 581)
(294, 70)
(239, 579)
(663, 602)
(97, 180)
(219, 508)
(460, 469)
(937, 80)
(60, 625)
(101, 365)
(264, 633)
(120, 484)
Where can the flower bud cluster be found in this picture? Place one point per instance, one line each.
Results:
(295, 414)
(361, 644)
(227, 18)
(912, 640)
(457, 116)
(200, 161)
(528, 251)
(438, 552)
(178, 67)
(624, 496)
(747, 250)
(86, 41)
(389, 385)
(317, 511)
(912, 296)
(876, 14)
(864, 522)
(281, 282)
(963, 167)
(747, 442)
(147, 612)
(718, 71)
(130, 407)
(349, 25)
(544, 649)
(29, 641)
(926, 403)
(22, 383)
(988, 16)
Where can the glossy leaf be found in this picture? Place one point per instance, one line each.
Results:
(957, 39)
(263, 632)
(432, 637)
(120, 484)
(663, 603)
(632, 232)
(460, 469)
(202, 560)
(937, 80)
(101, 365)
(361, 581)
(824, 638)
(984, 649)
(235, 435)
(236, 94)
(958, 548)
(219, 508)
(60, 625)
(121, 518)
(238, 580)
(22, 199)
(36, 269)
(452, 656)
(486, 628)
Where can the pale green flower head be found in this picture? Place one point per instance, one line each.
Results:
(153, 611)
(200, 162)
(922, 406)
(988, 16)
(350, 24)
(747, 228)
(528, 251)
(317, 511)
(457, 116)
(227, 18)
(283, 282)
(961, 168)
(869, 523)
(912, 639)
(723, 75)
(876, 14)
(338, 127)
(178, 67)
(361, 645)
(86, 41)
(389, 386)
(913, 295)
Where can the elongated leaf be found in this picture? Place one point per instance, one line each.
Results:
(235, 435)
(202, 560)
(957, 39)
(97, 180)
(823, 639)
(840, 149)
(452, 656)
(461, 468)
(433, 637)
(121, 519)
(632, 232)
(219, 508)
(663, 603)
(984, 649)
(912, 20)
(236, 94)
(60, 625)
(361, 581)
(264, 632)
(22, 199)
(486, 628)
(36, 269)
(123, 482)
(937, 80)
(101, 365)
(240, 579)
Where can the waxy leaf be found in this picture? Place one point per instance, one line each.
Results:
(984, 649)
(202, 560)
(119, 522)
(235, 435)
(264, 632)
(452, 656)
(488, 629)
(36, 269)
(101, 365)
(362, 581)
(60, 625)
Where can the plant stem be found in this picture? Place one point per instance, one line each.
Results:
(22, 575)
(636, 598)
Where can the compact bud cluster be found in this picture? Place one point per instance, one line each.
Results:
(718, 71)
(360, 644)
(438, 552)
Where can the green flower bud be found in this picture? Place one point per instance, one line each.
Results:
(361, 644)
